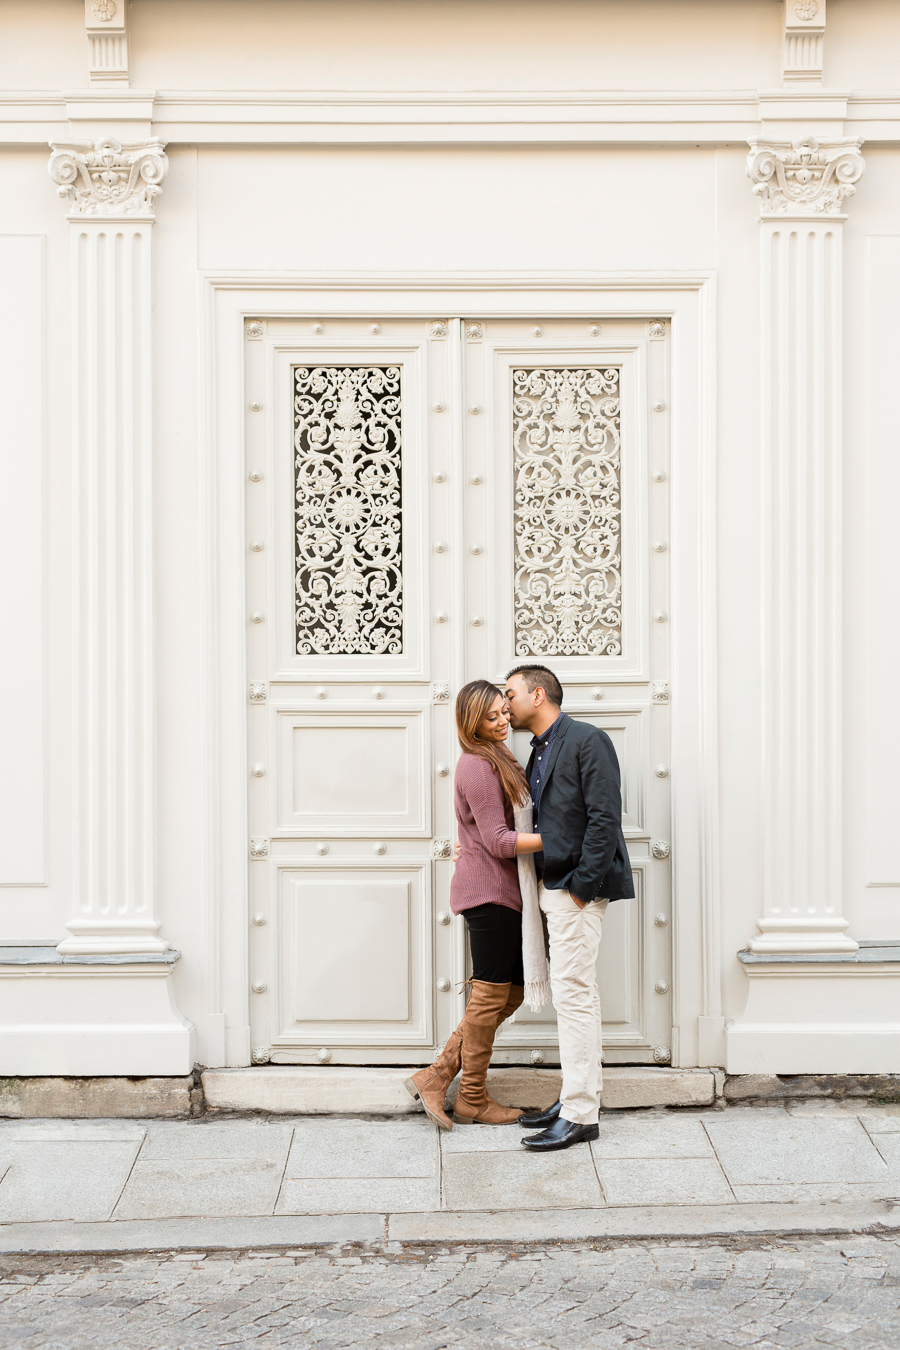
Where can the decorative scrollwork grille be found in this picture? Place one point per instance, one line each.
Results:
(568, 562)
(349, 582)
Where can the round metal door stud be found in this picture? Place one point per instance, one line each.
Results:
(659, 405)
(321, 849)
(374, 329)
(442, 616)
(660, 546)
(440, 476)
(443, 918)
(379, 849)
(476, 549)
(440, 546)
(259, 986)
(256, 406)
(659, 476)
(537, 1056)
(321, 691)
(476, 480)
(597, 692)
(257, 616)
(318, 329)
(661, 986)
(258, 770)
(662, 770)
(256, 546)
(444, 986)
(323, 1055)
(537, 331)
(660, 616)
(475, 409)
(439, 407)
(661, 920)
(442, 770)
(378, 691)
(594, 330)
(260, 920)
(477, 621)
(256, 476)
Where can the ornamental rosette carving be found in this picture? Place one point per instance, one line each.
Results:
(568, 577)
(107, 179)
(347, 442)
(806, 178)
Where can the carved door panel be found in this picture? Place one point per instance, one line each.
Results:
(429, 501)
(348, 603)
(566, 550)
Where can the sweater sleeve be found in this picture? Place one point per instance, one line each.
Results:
(484, 794)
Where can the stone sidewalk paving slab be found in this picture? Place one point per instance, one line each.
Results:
(663, 1181)
(795, 1149)
(506, 1180)
(658, 1137)
(51, 1178)
(823, 1192)
(363, 1149)
(200, 1139)
(353, 1195)
(483, 1139)
(196, 1169)
(198, 1187)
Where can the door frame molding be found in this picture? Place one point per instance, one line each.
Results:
(687, 299)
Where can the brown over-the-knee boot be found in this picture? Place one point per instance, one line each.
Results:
(430, 1085)
(485, 1010)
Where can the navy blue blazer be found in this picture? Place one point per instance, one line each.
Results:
(580, 816)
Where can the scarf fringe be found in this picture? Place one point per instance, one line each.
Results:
(537, 994)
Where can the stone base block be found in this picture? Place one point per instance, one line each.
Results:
(771, 1086)
(342, 1090)
(95, 1098)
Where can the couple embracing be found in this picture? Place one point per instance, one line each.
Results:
(543, 841)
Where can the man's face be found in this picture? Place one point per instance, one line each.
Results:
(522, 705)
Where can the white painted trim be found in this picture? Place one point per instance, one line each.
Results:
(284, 117)
(688, 299)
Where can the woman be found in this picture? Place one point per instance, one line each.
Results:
(490, 783)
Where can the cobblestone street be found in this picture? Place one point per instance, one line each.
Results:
(804, 1292)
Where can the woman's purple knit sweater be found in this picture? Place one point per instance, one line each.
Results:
(487, 873)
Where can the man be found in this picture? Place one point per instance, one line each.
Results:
(574, 776)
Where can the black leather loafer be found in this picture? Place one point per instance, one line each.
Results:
(561, 1134)
(540, 1119)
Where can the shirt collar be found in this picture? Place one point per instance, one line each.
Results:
(547, 735)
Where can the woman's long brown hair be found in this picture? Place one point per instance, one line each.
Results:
(472, 704)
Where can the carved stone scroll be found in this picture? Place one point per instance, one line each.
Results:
(347, 442)
(104, 179)
(807, 178)
(568, 576)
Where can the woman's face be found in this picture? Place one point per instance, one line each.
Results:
(495, 723)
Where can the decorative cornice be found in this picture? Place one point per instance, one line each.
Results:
(107, 180)
(804, 178)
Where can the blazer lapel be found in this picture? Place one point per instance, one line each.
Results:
(555, 749)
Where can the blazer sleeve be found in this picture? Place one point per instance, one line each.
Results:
(603, 807)
(484, 794)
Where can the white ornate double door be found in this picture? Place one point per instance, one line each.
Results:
(430, 500)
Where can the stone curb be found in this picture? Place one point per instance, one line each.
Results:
(686, 1221)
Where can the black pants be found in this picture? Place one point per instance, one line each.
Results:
(495, 939)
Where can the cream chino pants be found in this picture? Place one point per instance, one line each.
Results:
(574, 945)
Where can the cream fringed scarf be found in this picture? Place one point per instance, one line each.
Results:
(534, 952)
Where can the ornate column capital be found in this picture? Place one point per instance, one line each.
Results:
(105, 180)
(806, 178)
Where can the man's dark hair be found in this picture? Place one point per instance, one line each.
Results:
(540, 677)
